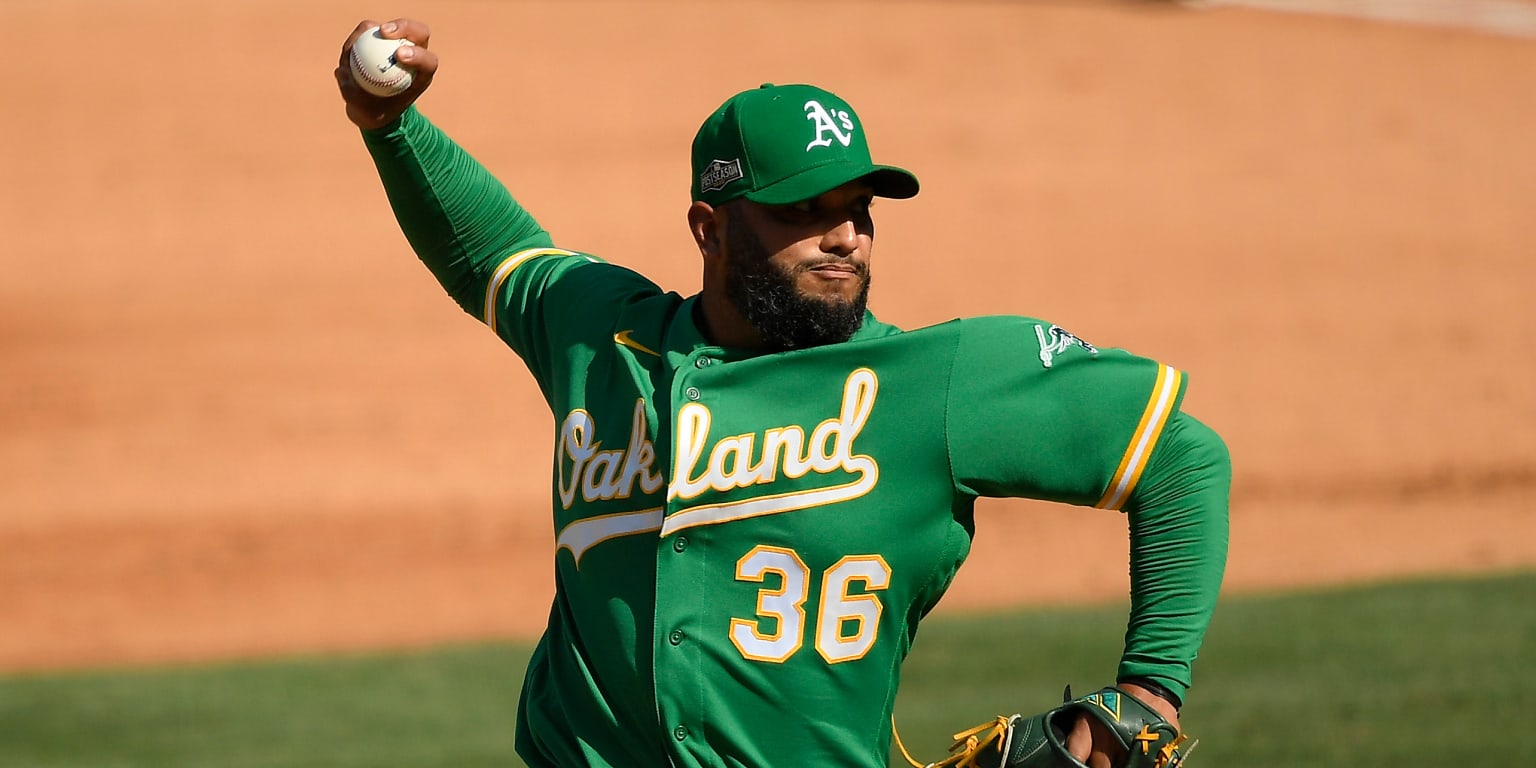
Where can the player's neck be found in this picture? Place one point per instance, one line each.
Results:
(723, 325)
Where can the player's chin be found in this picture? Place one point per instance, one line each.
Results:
(842, 288)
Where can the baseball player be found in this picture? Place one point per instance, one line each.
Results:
(759, 491)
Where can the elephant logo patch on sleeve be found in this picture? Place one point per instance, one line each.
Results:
(1056, 340)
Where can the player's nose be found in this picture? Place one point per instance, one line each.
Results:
(841, 240)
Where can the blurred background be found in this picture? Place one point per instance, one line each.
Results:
(238, 419)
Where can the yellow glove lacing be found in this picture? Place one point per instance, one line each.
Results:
(967, 747)
(1170, 756)
(969, 743)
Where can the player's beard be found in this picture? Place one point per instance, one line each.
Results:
(787, 318)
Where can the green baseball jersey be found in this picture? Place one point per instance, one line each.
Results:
(744, 542)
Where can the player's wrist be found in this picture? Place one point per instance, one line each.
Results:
(1156, 689)
(383, 126)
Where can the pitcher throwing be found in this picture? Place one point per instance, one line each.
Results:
(759, 490)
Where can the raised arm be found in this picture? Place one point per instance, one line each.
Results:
(460, 220)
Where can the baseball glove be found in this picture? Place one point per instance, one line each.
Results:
(1145, 738)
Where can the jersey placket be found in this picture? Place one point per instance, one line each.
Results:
(683, 593)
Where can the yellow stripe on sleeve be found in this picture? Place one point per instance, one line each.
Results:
(505, 270)
(1159, 407)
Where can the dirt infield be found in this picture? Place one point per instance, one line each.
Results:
(237, 418)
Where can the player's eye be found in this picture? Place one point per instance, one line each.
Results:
(797, 213)
(807, 210)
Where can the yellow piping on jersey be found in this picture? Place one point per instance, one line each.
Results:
(504, 270)
(1159, 408)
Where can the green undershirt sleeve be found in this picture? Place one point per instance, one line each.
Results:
(1178, 530)
(460, 220)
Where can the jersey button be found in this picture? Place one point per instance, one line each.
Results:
(680, 733)
(680, 544)
(677, 637)
(692, 393)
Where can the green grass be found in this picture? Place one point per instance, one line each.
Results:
(451, 707)
(1413, 674)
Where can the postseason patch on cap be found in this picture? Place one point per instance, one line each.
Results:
(718, 174)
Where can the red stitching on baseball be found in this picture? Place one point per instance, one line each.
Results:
(365, 71)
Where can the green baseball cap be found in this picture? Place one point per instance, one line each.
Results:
(780, 144)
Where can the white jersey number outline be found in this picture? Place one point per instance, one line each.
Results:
(839, 609)
(847, 624)
(783, 605)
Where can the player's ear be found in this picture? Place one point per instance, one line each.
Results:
(704, 222)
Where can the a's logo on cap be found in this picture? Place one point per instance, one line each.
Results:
(718, 174)
(822, 120)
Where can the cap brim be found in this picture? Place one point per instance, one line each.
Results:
(886, 180)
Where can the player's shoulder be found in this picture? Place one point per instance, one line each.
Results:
(582, 273)
(998, 328)
(579, 294)
(983, 331)
(1028, 338)
(551, 257)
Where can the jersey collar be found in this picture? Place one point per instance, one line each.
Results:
(685, 340)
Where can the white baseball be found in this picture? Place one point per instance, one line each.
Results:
(374, 66)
